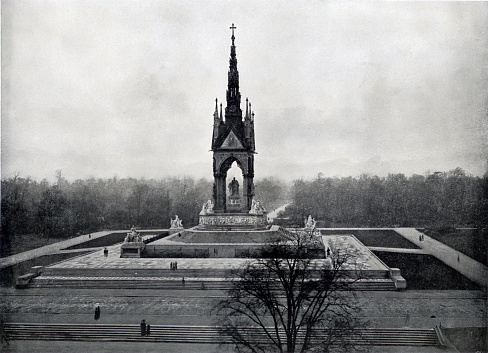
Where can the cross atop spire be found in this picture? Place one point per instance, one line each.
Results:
(232, 28)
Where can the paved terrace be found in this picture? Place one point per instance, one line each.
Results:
(467, 266)
(470, 268)
(364, 260)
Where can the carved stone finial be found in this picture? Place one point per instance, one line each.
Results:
(232, 28)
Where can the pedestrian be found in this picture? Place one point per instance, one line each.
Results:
(89, 236)
(143, 327)
(176, 265)
(3, 334)
(458, 257)
(148, 330)
(328, 251)
(105, 252)
(183, 280)
(97, 312)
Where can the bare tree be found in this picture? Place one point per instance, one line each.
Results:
(290, 300)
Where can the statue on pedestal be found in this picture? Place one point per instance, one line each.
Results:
(234, 187)
(310, 223)
(176, 223)
(133, 236)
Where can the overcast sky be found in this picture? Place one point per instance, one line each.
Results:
(128, 88)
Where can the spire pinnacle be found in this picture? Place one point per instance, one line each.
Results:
(232, 28)
(233, 111)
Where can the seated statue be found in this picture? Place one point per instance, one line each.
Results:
(132, 236)
(256, 208)
(207, 208)
(234, 187)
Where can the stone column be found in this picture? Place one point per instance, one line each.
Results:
(247, 192)
(219, 193)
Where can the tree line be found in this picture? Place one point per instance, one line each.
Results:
(63, 208)
(441, 199)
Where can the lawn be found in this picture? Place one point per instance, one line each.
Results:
(426, 272)
(471, 242)
(25, 242)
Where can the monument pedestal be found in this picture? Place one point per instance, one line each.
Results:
(132, 249)
(232, 221)
(234, 204)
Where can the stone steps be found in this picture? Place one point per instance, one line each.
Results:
(197, 334)
(169, 283)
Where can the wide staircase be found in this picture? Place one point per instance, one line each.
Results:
(196, 334)
(180, 282)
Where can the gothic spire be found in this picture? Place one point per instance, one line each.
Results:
(233, 111)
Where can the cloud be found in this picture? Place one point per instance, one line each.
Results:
(128, 88)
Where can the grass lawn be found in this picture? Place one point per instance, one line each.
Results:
(471, 242)
(468, 339)
(426, 272)
(25, 242)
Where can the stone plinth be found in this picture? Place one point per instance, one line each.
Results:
(232, 221)
(132, 249)
(234, 204)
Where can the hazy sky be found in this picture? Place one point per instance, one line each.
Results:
(128, 88)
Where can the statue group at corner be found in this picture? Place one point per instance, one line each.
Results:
(176, 223)
(208, 206)
(310, 222)
(133, 236)
(256, 208)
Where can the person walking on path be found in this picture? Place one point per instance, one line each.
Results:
(97, 312)
(105, 252)
(143, 327)
(3, 334)
(148, 330)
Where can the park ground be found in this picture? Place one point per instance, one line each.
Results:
(410, 308)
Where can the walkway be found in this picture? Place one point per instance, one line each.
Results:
(402, 250)
(48, 249)
(273, 214)
(465, 265)
(56, 248)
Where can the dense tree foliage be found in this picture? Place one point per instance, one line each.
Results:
(271, 192)
(436, 200)
(67, 208)
(64, 209)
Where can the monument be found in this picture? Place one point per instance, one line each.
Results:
(233, 141)
(231, 226)
(133, 245)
